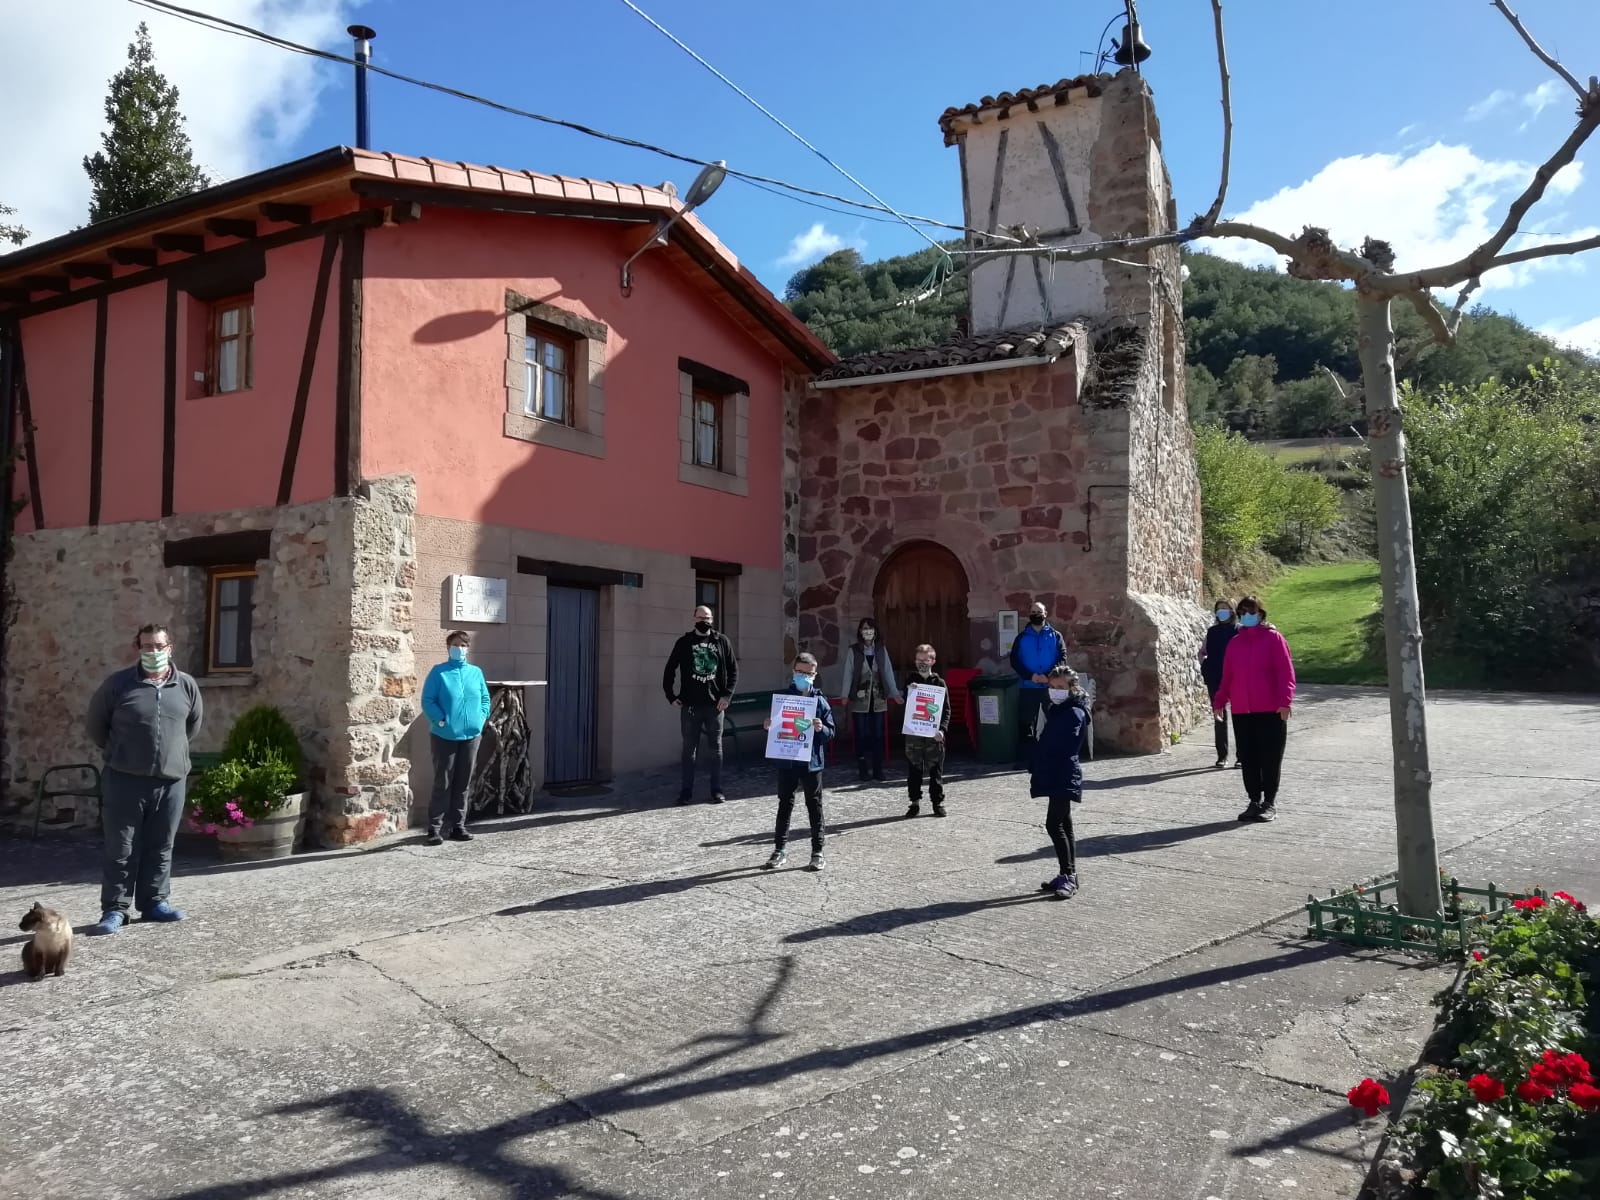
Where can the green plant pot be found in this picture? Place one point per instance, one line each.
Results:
(271, 837)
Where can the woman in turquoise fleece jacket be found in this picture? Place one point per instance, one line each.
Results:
(455, 699)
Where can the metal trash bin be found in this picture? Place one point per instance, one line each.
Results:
(995, 698)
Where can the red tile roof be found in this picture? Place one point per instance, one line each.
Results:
(1030, 98)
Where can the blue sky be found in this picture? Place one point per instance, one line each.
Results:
(1413, 122)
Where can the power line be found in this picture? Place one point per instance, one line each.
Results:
(223, 25)
(775, 119)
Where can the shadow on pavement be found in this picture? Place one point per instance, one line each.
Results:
(628, 893)
(1130, 843)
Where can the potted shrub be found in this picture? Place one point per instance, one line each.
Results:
(252, 801)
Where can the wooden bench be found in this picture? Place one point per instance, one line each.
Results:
(746, 713)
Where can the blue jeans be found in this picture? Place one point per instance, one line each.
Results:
(869, 737)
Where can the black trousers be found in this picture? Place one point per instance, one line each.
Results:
(452, 774)
(1221, 728)
(1058, 824)
(701, 723)
(934, 773)
(810, 783)
(1261, 739)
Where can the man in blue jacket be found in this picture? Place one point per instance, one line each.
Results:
(1037, 651)
(456, 701)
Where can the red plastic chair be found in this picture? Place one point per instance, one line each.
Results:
(959, 681)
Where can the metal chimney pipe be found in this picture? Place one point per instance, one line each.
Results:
(363, 36)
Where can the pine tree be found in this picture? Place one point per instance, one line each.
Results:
(15, 234)
(145, 157)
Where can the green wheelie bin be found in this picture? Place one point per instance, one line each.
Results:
(995, 698)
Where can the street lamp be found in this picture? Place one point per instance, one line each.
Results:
(704, 186)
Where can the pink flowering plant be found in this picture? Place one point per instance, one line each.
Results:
(238, 792)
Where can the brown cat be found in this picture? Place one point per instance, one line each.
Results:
(51, 946)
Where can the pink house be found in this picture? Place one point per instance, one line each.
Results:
(316, 417)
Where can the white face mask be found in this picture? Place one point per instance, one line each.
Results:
(1057, 695)
(155, 661)
(869, 636)
(925, 668)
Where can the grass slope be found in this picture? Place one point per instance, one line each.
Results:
(1321, 610)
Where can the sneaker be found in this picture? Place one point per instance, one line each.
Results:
(459, 834)
(1066, 887)
(938, 810)
(914, 810)
(433, 838)
(777, 860)
(1222, 762)
(684, 798)
(717, 798)
(1050, 885)
(1266, 812)
(1249, 814)
(1237, 765)
(816, 863)
(161, 911)
(109, 922)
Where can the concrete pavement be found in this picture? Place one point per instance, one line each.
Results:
(608, 998)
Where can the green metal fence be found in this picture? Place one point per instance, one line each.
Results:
(1368, 914)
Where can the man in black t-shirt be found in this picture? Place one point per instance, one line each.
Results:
(700, 679)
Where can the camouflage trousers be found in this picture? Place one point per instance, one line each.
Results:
(925, 758)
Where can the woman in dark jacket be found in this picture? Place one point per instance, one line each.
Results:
(869, 688)
(1057, 773)
(1212, 651)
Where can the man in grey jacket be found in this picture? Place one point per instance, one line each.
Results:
(142, 718)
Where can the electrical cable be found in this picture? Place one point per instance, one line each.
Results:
(223, 25)
(775, 119)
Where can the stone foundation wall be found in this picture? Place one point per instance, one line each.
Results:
(82, 592)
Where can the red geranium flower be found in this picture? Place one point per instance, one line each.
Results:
(1560, 1070)
(1477, 956)
(1485, 1089)
(1534, 1093)
(1585, 1095)
(1531, 902)
(1572, 900)
(1369, 1096)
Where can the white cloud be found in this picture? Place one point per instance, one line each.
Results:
(1494, 100)
(1585, 335)
(245, 102)
(815, 243)
(1432, 206)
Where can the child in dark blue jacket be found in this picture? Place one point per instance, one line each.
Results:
(1058, 775)
(805, 776)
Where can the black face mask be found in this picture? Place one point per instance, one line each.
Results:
(1036, 621)
(702, 626)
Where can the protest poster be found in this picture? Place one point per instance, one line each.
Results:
(924, 708)
(793, 726)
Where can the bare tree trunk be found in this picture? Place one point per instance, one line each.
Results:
(1402, 623)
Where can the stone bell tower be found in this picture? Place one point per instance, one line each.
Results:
(1060, 165)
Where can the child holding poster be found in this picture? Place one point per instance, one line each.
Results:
(1056, 772)
(805, 774)
(927, 711)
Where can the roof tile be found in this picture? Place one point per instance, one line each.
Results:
(1032, 98)
(1026, 342)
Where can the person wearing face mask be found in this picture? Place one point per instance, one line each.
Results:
(1037, 651)
(1212, 651)
(700, 678)
(1056, 774)
(143, 718)
(807, 777)
(925, 756)
(1258, 682)
(455, 699)
(869, 689)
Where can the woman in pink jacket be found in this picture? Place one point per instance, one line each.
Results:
(1258, 681)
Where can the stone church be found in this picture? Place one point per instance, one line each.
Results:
(1045, 453)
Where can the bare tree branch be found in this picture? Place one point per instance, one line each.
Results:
(1554, 248)
(1431, 316)
(1460, 308)
(1215, 211)
(1548, 59)
(1338, 386)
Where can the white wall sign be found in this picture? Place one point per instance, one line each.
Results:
(988, 710)
(1006, 623)
(477, 600)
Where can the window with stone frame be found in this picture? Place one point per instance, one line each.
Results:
(230, 612)
(713, 428)
(554, 377)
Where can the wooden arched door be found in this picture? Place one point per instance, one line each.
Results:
(921, 596)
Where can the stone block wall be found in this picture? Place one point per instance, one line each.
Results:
(82, 592)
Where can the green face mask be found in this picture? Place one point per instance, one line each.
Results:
(155, 661)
